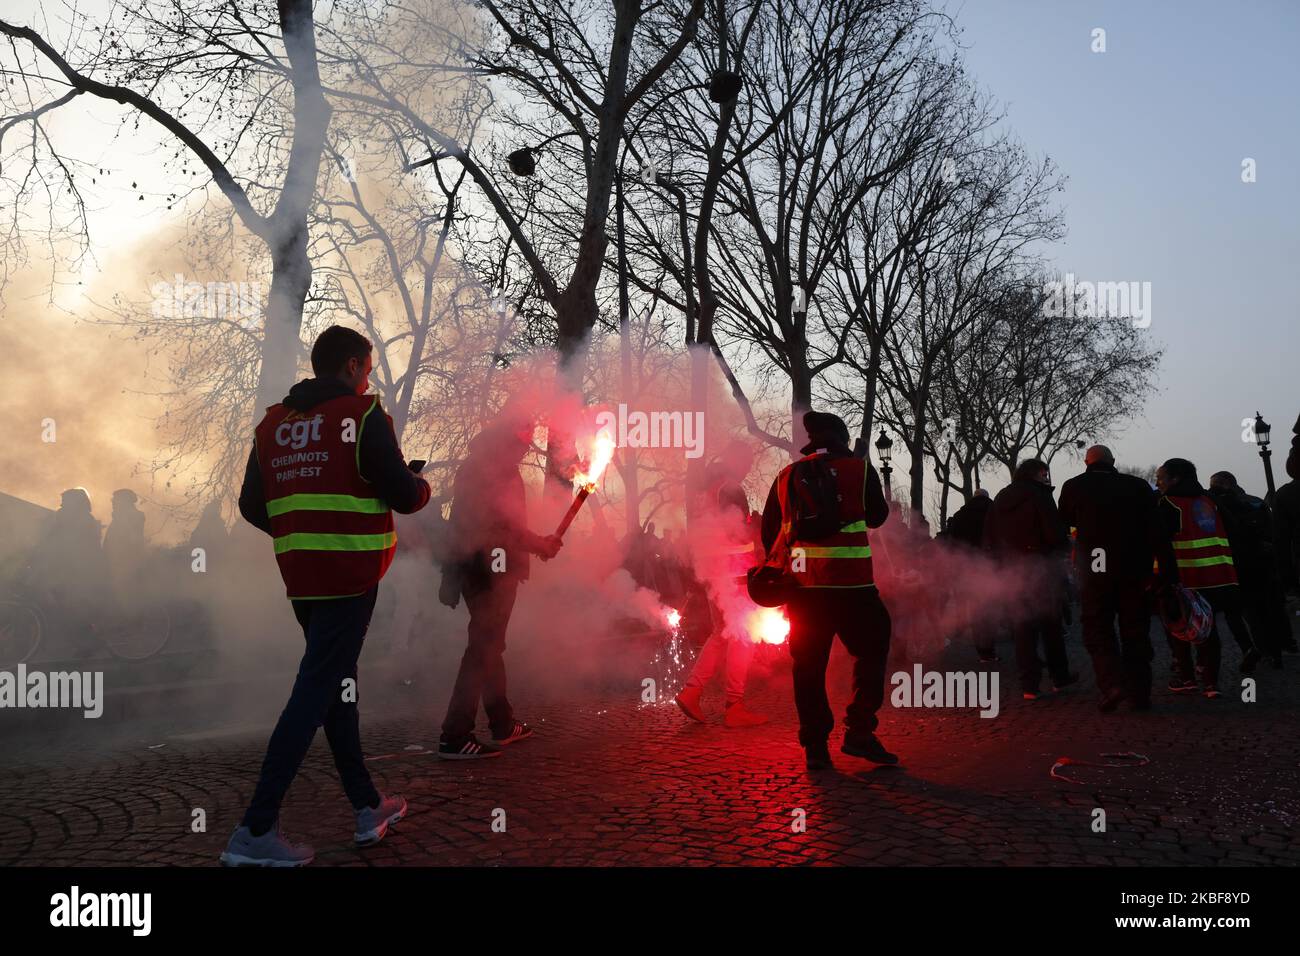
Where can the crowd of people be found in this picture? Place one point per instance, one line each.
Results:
(325, 476)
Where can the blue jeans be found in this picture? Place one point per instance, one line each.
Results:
(335, 631)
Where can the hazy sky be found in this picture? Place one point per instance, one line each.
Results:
(1152, 134)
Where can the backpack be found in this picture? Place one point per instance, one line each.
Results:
(814, 500)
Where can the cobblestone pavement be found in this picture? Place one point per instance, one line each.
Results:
(611, 781)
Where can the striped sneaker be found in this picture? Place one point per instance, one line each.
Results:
(520, 731)
(467, 749)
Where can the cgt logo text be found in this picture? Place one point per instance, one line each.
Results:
(102, 909)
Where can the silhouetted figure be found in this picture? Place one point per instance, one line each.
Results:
(1024, 531)
(124, 543)
(1114, 514)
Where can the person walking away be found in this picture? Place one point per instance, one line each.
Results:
(1025, 534)
(725, 548)
(489, 549)
(323, 479)
(965, 533)
(836, 592)
(1286, 534)
(1113, 515)
(1249, 523)
(1193, 550)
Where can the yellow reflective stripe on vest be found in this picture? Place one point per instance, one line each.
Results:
(315, 502)
(1204, 562)
(313, 541)
(1201, 543)
(856, 526)
(840, 551)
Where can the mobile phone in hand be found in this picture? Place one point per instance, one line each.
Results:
(417, 465)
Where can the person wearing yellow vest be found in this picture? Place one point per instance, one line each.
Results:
(323, 478)
(724, 548)
(1194, 551)
(836, 591)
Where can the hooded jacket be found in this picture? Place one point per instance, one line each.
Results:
(1024, 520)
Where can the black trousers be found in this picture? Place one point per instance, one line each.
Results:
(1266, 613)
(862, 622)
(1041, 621)
(335, 631)
(1123, 663)
(482, 675)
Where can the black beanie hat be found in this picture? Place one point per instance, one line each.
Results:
(824, 430)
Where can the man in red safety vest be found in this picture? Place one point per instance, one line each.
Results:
(836, 591)
(323, 480)
(1194, 551)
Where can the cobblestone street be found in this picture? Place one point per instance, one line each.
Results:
(611, 781)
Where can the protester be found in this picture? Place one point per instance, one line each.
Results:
(1286, 517)
(725, 548)
(1024, 532)
(965, 533)
(1193, 550)
(1114, 517)
(836, 591)
(125, 548)
(1249, 522)
(323, 478)
(489, 550)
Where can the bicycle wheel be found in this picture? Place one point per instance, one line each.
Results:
(137, 634)
(21, 628)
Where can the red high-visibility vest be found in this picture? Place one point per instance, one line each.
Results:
(1201, 548)
(334, 537)
(844, 559)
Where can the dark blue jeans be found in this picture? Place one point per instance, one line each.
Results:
(335, 630)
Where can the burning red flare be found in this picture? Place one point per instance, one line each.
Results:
(768, 625)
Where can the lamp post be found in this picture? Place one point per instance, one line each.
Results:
(1262, 429)
(884, 448)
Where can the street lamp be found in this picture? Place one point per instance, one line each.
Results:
(885, 448)
(1262, 429)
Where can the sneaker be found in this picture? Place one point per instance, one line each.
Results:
(817, 756)
(868, 748)
(373, 822)
(1249, 660)
(737, 716)
(1064, 682)
(469, 749)
(1211, 693)
(520, 731)
(1181, 685)
(269, 849)
(989, 658)
(689, 701)
(1031, 695)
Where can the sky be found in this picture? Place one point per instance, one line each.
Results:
(1152, 134)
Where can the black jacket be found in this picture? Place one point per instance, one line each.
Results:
(1113, 512)
(1250, 524)
(873, 500)
(967, 525)
(1024, 520)
(381, 460)
(1286, 533)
